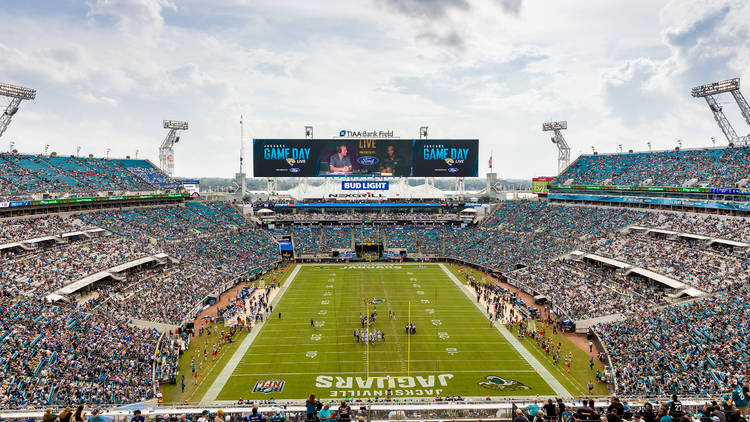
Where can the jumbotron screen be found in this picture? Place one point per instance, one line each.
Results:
(365, 157)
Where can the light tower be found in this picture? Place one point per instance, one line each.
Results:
(16, 94)
(240, 177)
(710, 91)
(563, 156)
(428, 181)
(166, 150)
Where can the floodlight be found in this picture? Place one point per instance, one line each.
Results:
(14, 91)
(16, 95)
(175, 124)
(550, 126)
(709, 93)
(423, 132)
(563, 156)
(716, 88)
(166, 150)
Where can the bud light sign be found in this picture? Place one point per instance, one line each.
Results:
(365, 185)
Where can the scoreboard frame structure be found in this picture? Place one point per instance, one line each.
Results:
(348, 157)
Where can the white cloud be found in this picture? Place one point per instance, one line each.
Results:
(96, 99)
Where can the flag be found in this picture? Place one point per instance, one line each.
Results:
(490, 161)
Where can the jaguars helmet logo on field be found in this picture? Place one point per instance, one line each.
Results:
(493, 382)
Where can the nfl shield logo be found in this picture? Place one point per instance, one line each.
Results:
(268, 386)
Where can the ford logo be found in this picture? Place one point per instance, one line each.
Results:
(294, 170)
(367, 160)
(452, 170)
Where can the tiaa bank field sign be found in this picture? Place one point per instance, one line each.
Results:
(364, 185)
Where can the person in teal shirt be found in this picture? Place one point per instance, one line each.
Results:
(278, 416)
(533, 409)
(324, 414)
(664, 414)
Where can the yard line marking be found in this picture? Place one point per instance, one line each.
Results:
(482, 332)
(225, 373)
(276, 346)
(541, 369)
(374, 351)
(308, 362)
(432, 371)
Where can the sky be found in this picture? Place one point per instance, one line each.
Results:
(620, 72)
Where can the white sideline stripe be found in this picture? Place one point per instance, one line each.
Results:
(226, 372)
(543, 372)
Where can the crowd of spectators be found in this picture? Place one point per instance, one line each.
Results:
(211, 245)
(13, 230)
(714, 226)
(21, 176)
(86, 351)
(700, 267)
(50, 268)
(710, 167)
(51, 354)
(321, 239)
(696, 348)
(585, 291)
(353, 217)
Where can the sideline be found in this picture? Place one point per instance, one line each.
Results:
(543, 372)
(229, 368)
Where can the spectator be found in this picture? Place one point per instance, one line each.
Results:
(324, 414)
(520, 417)
(137, 417)
(79, 415)
(311, 407)
(65, 415)
(49, 416)
(95, 416)
(344, 412)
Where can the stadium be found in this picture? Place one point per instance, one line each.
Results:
(373, 275)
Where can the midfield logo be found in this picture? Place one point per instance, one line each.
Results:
(269, 386)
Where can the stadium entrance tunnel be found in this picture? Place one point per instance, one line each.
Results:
(369, 250)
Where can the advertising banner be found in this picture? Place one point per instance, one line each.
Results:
(654, 201)
(540, 184)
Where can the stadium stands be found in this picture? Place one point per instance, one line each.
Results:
(49, 354)
(710, 167)
(85, 352)
(696, 348)
(24, 176)
(210, 245)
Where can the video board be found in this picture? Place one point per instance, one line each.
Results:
(540, 184)
(365, 157)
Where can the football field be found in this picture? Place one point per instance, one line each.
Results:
(312, 347)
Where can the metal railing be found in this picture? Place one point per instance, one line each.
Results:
(294, 411)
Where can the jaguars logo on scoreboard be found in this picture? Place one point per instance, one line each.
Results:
(269, 386)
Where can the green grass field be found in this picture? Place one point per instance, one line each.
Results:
(453, 352)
